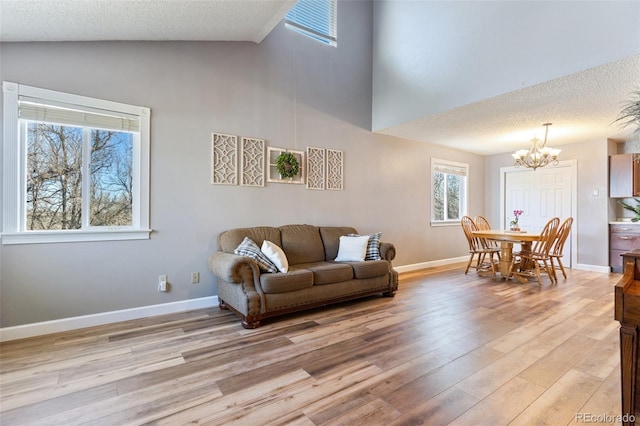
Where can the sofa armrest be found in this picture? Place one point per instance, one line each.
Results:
(387, 251)
(228, 266)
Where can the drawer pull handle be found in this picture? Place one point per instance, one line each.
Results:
(625, 238)
(624, 229)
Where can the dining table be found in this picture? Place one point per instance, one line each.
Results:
(507, 239)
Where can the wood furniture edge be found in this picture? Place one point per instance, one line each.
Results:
(622, 286)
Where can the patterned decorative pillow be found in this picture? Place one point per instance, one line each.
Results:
(250, 249)
(373, 246)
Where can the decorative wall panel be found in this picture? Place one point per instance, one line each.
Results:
(334, 170)
(315, 168)
(224, 159)
(252, 162)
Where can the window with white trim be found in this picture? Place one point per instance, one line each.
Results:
(314, 18)
(448, 191)
(74, 168)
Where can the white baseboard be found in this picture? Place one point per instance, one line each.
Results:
(442, 262)
(592, 268)
(74, 323)
(434, 263)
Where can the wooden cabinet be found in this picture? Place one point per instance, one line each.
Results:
(624, 176)
(622, 239)
(627, 311)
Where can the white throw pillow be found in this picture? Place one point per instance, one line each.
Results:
(275, 255)
(352, 249)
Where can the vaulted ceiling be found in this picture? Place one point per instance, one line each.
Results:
(585, 102)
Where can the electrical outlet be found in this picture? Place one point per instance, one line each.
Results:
(195, 277)
(162, 283)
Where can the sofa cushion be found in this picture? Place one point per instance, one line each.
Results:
(250, 249)
(297, 279)
(352, 248)
(370, 269)
(328, 273)
(331, 239)
(229, 240)
(302, 243)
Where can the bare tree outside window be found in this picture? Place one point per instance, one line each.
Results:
(438, 195)
(111, 178)
(448, 192)
(54, 177)
(453, 197)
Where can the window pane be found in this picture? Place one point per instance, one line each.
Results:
(54, 178)
(454, 183)
(61, 196)
(111, 178)
(314, 18)
(438, 196)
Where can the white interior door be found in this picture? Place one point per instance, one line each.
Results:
(543, 194)
(553, 193)
(519, 195)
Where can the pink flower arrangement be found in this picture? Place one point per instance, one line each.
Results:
(517, 213)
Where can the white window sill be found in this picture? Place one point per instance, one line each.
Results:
(446, 223)
(42, 237)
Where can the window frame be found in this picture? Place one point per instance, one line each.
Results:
(463, 169)
(14, 178)
(311, 28)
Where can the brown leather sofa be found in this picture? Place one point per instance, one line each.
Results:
(313, 279)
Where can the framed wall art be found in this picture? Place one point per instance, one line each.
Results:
(285, 165)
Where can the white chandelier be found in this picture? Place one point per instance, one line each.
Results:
(538, 155)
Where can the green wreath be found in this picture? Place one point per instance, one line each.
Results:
(287, 165)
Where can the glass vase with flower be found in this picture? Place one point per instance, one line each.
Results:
(514, 226)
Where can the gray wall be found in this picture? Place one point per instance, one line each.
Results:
(592, 212)
(433, 56)
(266, 91)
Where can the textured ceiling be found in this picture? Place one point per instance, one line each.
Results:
(80, 20)
(581, 106)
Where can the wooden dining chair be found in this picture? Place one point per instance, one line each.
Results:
(483, 224)
(478, 250)
(532, 262)
(555, 254)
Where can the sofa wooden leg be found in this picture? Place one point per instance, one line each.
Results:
(250, 324)
(223, 305)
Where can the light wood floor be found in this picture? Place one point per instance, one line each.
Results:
(448, 349)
